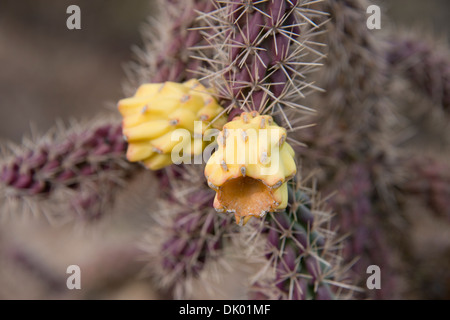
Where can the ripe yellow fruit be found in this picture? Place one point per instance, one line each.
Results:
(153, 114)
(250, 168)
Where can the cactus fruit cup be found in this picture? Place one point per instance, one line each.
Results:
(250, 168)
(153, 114)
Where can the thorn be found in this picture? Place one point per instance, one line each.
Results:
(244, 135)
(277, 185)
(263, 123)
(212, 186)
(243, 171)
(224, 165)
(282, 140)
(264, 157)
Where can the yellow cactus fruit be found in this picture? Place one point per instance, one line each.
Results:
(250, 168)
(152, 115)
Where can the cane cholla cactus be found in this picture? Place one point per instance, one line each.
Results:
(258, 55)
(250, 169)
(354, 75)
(74, 168)
(279, 72)
(299, 252)
(262, 52)
(425, 64)
(156, 111)
(355, 110)
(186, 242)
(166, 55)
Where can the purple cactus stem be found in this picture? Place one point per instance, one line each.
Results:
(302, 239)
(300, 290)
(279, 49)
(278, 79)
(289, 257)
(274, 236)
(276, 10)
(192, 248)
(426, 66)
(324, 293)
(259, 38)
(66, 175)
(305, 215)
(430, 181)
(283, 221)
(23, 181)
(312, 265)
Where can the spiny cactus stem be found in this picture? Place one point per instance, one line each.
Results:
(427, 67)
(260, 53)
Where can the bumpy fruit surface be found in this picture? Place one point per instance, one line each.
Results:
(250, 168)
(153, 114)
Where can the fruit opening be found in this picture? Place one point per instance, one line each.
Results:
(246, 197)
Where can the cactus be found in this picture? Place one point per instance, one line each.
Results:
(261, 61)
(429, 179)
(290, 46)
(166, 55)
(354, 128)
(187, 237)
(74, 168)
(425, 65)
(263, 51)
(299, 251)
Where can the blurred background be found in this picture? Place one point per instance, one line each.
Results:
(48, 72)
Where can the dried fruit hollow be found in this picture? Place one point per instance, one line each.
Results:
(233, 166)
(247, 197)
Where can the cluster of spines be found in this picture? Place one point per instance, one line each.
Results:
(262, 52)
(76, 163)
(356, 109)
(166, 55)
(188, 235)
(365, 224)
(425, 65)
(301, 253)
(354, 75)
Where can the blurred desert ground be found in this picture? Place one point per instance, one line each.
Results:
(48, 72)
